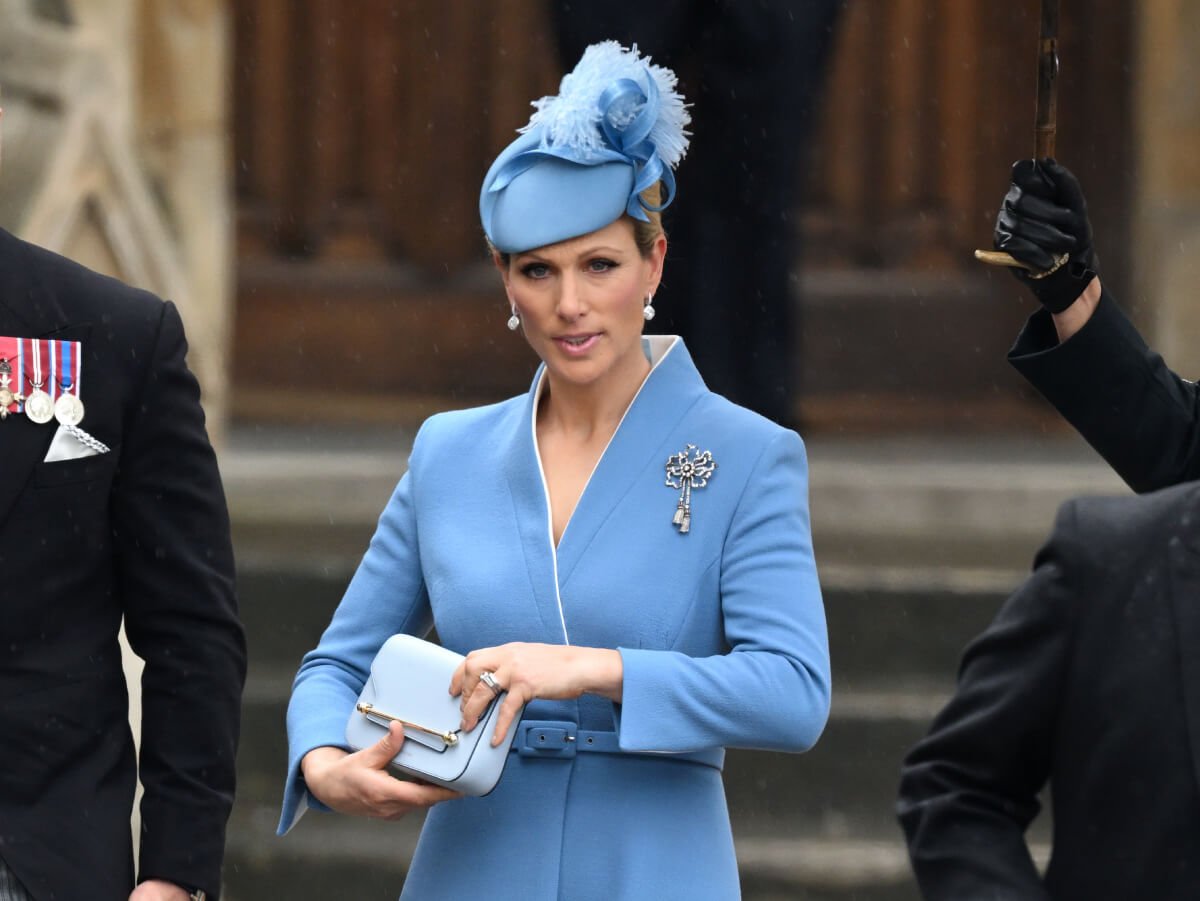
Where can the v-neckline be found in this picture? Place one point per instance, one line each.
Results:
(656, 352)
(663, 399)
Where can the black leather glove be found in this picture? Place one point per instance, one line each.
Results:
(1044, 216)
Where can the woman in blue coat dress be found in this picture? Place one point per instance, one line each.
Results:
(623, 551)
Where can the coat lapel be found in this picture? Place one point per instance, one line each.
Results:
(27, 310)
(1185, 599)
(666, 395)
(528, 492)
(669, 391)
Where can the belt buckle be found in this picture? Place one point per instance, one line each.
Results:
(547, 738)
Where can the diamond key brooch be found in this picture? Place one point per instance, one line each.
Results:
(686, 470)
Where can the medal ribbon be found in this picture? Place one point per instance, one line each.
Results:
(10, 351)
(21, 374)
(52, 365)
(37, 378)
(68, 355)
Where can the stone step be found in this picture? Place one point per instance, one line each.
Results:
(885, 624)
(905, 625)
(775, 869)
(325, 855)
(285, 605)
(843, 788)
(895, 649)
(932, 502)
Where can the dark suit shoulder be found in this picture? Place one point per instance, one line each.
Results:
(85, 294)
(1119, 531)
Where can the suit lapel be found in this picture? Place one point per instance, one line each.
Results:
(27, 310)
(670, 390)
(1185, 600)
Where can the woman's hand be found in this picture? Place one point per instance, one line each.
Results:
(528, 671)
(359, 783)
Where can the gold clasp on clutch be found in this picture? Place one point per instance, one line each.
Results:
(369, 711)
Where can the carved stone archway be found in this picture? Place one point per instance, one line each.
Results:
(114, 152)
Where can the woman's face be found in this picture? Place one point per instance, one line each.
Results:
(580, 301)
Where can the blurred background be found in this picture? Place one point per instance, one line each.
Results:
(302, 178)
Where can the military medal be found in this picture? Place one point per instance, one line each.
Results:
(686, 470)
(7, 397)
(68, 409)
(10, 349)
(51, 364)
(39, 406)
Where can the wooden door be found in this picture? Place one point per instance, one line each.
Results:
(363, 287)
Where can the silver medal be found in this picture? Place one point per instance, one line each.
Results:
(68, 410)
(7, 397)
(39, 407)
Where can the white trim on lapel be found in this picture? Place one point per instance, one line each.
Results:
(537, 456)
(656, 348)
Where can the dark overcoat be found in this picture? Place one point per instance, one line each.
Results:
(1088, 680)
(1118, 393)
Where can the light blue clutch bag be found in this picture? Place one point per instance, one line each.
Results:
(409, 684)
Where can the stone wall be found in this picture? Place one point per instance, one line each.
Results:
(1167, 185)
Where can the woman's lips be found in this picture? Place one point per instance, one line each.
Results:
(577, 345)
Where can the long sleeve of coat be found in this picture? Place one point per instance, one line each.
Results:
(1118, 393)
(772, 689)
(387, 595)
(175, 566)
(969, 789)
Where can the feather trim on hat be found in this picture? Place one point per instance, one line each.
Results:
(572, 118)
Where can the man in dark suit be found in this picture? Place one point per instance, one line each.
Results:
(121, 517)
(1088, 678)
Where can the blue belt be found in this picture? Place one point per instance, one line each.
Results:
(555, 739)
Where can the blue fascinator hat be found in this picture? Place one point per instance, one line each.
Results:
(615, 128)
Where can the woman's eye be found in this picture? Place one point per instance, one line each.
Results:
(535, 270)
(601, 265)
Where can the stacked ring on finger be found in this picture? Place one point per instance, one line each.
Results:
(489, 679)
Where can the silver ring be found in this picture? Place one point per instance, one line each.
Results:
(489, 680)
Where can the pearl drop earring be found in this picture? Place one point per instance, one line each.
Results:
(648, 309)
(514, 321)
